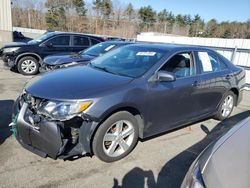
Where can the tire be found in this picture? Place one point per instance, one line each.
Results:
(121, 122)
(222, 113)
(28, 65)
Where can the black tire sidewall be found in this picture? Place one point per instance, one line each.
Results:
(219, 116)
(97, 144)
(27, 58)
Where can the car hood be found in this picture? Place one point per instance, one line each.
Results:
(80, 82)
(17, 44)
(63, 59)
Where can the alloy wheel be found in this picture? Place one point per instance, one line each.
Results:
(227, 106)
(28, 66)
(118, 138)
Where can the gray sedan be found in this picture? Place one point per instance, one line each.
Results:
(135, 91)
(225, 163)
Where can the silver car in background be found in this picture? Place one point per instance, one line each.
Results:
(225, 163)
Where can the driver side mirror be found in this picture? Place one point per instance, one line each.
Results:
(164, 76)
(49, 44)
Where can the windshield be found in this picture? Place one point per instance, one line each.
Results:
(41, 38)
(130, 61)
(98, 49)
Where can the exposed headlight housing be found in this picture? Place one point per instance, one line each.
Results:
(194, 178)
(8, 50)
(68, 64)
(58, 110)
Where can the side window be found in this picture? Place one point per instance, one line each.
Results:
(60, 41)
(94, 41)
(210, 62)
(223, 66)
(181, 65)
(81, 41)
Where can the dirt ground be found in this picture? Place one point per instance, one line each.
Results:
(158, 162)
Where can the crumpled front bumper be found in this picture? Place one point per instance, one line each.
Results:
(8, 59)
(46, 68)
(43, 140)
(46, 138)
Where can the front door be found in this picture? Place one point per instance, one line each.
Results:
(173, 103)
(56, 45)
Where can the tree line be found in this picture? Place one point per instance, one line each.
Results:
(115, 18)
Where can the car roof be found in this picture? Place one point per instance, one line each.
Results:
(73, 33)
(168, 47)
(117, 42)
(161, 46)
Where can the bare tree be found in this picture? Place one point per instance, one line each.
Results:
(116, 18)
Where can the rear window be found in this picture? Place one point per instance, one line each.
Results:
(81, 41)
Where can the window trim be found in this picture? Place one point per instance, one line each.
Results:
(193, 59)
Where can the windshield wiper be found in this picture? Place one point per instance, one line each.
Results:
(100, 68)
(94, 55)
(107, 70)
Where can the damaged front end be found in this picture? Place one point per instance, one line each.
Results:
(46, 67)
(43, 131)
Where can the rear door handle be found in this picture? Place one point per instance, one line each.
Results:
(196, 84)
(228, 76)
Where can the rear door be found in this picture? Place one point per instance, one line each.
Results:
(215, 80)
(80, 43)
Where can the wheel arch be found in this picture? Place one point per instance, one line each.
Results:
(131, 109)
(236, 92)
(34, 55)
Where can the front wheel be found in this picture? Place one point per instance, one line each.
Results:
(226, 107)
(28, 65)
(116, 137)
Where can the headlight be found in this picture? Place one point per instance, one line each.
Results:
(194, 178)
(8, 50)
(63, 110)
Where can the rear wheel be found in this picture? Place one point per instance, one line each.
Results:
(116, 137)
(28, 65)
(226, 107)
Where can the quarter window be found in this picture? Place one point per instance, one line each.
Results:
(223, 66)
(181, 65)
(60, 41)
(94, 41)
(81, 41)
